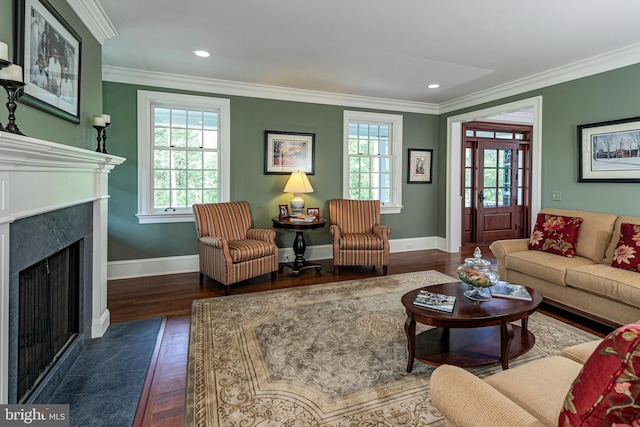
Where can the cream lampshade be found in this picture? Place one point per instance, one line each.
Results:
(298, 183)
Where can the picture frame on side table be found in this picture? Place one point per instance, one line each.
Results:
(50, 53)
(420, 166)
(286, 152)
(283, 211)
(609, 151)
(314, 211)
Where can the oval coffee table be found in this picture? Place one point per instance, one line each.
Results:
(476, 333)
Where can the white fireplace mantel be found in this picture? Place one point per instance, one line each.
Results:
(38, 176)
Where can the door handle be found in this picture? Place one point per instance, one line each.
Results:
(481, 196)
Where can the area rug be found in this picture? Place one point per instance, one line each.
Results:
(331, 354)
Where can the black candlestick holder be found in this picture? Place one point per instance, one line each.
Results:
(104, 138)
(3, 64)
(99, 129)
(12, 88)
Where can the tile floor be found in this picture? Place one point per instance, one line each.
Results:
(104, 385)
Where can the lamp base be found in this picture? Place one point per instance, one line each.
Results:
(297, 205)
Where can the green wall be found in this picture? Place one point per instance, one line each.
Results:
(38, 124)
(602, 97)
(250, 117)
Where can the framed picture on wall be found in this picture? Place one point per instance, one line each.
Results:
(420, 165)
(49, 51)
(609, 151)
(286, 152)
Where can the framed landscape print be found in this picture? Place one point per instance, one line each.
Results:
(286, 152)
(49, 51)
(609, 151)
(420, 164)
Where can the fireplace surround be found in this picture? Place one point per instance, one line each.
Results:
(40, 181)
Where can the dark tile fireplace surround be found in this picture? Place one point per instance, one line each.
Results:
(33, 239)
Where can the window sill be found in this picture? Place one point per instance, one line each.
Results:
(390, 209)
(161, 218)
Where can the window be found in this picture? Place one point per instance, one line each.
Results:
(373, 159)
(183, 154)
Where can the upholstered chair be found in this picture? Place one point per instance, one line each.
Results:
(230, 250)
(358, 237)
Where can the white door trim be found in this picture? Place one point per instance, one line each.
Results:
(454, 162)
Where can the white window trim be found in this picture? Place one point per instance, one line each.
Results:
(145, 214)
(396, 185)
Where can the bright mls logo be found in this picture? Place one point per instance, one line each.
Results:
(34, 415)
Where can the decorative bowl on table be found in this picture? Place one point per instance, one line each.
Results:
(479, 274)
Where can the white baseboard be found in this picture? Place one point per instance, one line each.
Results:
(189, 263)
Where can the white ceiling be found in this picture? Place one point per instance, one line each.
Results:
(372, 48)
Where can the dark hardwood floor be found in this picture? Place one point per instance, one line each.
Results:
(170, 296)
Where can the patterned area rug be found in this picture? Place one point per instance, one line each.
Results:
(323, 355)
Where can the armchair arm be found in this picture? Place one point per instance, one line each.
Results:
(263, 234)
(466, 400)
(381, 231)
(215, 242)
(500, 249)
(335, 232)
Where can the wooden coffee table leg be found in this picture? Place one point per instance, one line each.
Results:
(506, 336)
(410, 330)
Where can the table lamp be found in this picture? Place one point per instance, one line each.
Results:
(298, 183)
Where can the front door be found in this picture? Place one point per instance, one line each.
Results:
(496, 182)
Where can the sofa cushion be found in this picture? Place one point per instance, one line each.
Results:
(555, 234)
(539, 387)
(581, 352)
(609, 282)
(595, 232)
(627, 253)
(543, 265)
(615, 236)
(607, 390)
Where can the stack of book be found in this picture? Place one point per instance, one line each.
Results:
(510, 290)
(302, 218)
(435, 301)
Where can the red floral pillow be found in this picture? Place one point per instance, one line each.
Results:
(627, 253)
(555, 234)
(607, 390)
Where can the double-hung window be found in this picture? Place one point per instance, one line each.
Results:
(183, 154)
(372, 158)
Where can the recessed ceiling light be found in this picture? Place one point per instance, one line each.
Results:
(202, 53)
(433, 86)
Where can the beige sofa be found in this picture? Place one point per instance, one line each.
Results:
(586, 284)
(530, 395)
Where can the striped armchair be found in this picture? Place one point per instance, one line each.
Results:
(230, 250)
(358, 237)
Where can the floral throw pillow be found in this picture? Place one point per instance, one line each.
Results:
(607, 390)
(555, 234)
(627, 253)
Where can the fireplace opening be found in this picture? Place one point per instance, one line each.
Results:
(48, 315)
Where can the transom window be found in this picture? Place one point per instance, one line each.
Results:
(372, 158)
(184, 145)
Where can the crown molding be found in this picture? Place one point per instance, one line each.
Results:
(588, 67)
(598, 64)
(94, 17)
(226, 87)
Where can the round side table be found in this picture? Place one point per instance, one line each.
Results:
(299, 245)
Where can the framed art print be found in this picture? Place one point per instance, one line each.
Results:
(49, 51)
(609, 151)
(419, 168)
(286, 152)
